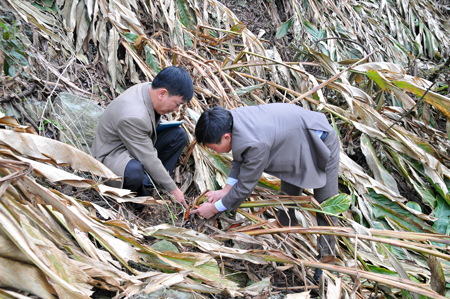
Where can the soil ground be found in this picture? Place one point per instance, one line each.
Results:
(263, 15)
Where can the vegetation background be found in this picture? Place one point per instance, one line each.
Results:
(378, 69)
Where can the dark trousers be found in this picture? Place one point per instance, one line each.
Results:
(169, 144)
(326, 244)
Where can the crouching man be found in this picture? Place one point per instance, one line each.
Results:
(126, 139)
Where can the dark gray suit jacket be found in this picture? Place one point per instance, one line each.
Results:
(278, 139)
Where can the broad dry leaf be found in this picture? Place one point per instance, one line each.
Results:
(53, 151)
(10, 250)
(27, 244)
(8, 294)
(50, 172)
(334, 290)
(200, 266)
(162, 280)
(24, 277)
(202, 241)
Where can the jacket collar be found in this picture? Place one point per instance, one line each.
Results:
(155, 117)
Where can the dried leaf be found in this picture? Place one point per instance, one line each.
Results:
(437, 282)
(53, 151)
(24, 277)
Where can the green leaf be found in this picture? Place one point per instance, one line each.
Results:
(268, 184)
(188, 19)
(284, 28)
(414, 205)
(425, 192)
(188, 41)
(220, 162)
(403, 49)
(442, 192)
(238, 27)
(151, 60)
(383, 271)
(429, 42)
(45, 7)
(178, 33)
(312, 29)
(387, 210)
(20, 58)
(11, 69)
(131, 37)
(4, 26)
(414, 179)
(372, 74)
(446, 179)
(322, 34)
(442, 213)
(337, 204)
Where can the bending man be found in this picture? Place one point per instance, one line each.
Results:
(294, 144)
(126, 139)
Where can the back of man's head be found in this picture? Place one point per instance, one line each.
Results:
(177, 82)
(212, 124)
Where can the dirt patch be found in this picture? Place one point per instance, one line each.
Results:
(263, 15)
(169, 212)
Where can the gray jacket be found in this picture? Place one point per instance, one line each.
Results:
(278, 139)
(127, 130)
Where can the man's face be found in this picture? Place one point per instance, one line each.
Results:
(167, 104)
(224, 146)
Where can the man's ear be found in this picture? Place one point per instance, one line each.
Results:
(227, 136)
(161, 93)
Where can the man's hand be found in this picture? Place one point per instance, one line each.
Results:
(206, 210)
(214, 196)
(179, 196)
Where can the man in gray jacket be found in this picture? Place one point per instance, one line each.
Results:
(126, 139)
(287, 141)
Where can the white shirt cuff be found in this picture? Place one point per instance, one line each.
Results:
(231, 181)
(219, 206)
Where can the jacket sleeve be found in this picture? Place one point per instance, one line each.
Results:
(234, 169)
(138, 142)
(254, 160)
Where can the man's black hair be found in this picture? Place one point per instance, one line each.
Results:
(212, 124)
(177, 82)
